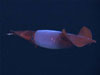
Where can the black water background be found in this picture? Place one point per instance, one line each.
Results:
(19, 57)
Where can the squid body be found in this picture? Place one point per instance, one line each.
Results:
(53, 39)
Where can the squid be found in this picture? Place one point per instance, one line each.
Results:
(53, 39)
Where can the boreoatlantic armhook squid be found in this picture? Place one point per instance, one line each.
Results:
(54, 39)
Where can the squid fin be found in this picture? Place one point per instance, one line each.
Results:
(85, 32)
(65, 36)
(86, 37)
(64, 32)
(74, 39)
(78, 41)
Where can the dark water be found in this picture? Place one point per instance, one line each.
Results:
(19, 57)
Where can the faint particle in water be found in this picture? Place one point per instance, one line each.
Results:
(53, 39)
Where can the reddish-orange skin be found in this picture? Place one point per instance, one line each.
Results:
(57, 39)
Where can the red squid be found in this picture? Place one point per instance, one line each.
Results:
(53, 39)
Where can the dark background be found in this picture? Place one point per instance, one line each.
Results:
(19, 57)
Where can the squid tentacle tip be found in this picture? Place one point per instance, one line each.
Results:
(9, 33)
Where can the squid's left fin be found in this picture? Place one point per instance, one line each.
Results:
(85, 32)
